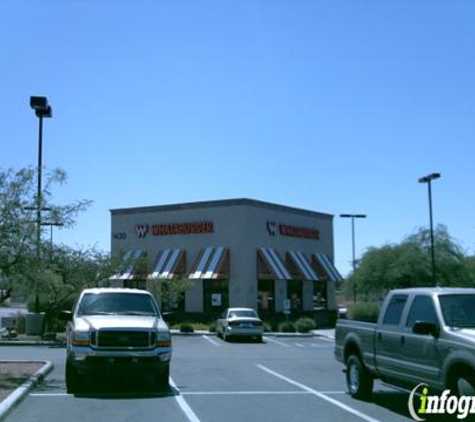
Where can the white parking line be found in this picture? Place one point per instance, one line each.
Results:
(183, 404)
(320, 395)
(275, 341)
(331, 340)
(320, 346)
(49, 394)
(211, 340)
(299, 345)
(240, 393)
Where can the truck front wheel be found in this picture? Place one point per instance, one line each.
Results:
(74, 382)
(162, 380)
(464, 385)
(358, 379)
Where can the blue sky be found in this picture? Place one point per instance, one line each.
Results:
(336, 106)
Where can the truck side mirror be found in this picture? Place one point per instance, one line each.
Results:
(168, 317)
(65, 316)
(425, 328)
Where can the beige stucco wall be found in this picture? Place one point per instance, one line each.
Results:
(239, 226)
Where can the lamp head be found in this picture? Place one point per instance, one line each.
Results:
(41, 106)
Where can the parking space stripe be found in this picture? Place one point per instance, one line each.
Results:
(331, 340)
(211, 340)
(276, 341)
(49, 394)
(320, 395)
(320, 346)
(183, 404)
(240, 393)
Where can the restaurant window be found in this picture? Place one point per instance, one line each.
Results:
(265, 296)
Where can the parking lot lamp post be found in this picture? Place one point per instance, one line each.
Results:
(51, 224)
(428, 179)
(42, 109)
(353, 216)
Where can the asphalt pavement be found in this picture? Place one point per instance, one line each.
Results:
(283, 379)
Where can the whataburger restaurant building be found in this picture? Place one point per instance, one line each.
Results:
(237, 252)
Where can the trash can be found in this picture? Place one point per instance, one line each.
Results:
(34, 324)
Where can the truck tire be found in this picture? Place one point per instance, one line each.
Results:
(358, 379)
(74, 382)
(162, 381)
(464, 385)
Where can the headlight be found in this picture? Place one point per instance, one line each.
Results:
(80, 338)
(164, 339)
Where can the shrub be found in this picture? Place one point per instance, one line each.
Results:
(212, 327)
(304, 325)
(267, 327)
(287, 327)
(364, 311)
(186, 327)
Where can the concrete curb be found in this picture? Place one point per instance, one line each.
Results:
(7, 405)
(31, 343)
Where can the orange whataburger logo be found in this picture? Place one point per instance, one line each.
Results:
(292, 231)
(172, 229)
(141, 230)
(183, 228)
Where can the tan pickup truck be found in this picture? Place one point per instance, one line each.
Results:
(423, 335)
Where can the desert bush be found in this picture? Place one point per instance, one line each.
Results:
(304, 325)
(287, 327)
(364, 311)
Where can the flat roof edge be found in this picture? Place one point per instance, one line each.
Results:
(220, 203)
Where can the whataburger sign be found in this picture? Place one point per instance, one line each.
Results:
(174, 229)
(293, 231)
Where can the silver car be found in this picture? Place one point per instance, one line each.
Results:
(239, 322)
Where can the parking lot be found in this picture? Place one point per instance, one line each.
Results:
(282, 379)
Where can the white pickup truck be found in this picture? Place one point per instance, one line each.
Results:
(116, 331)
(423, 335)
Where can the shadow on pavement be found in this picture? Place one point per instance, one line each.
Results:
(397, 402)
(252, 340)
(130, 388)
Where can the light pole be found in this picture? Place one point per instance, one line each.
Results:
(42, 109)
(428, 179)
(51, 224)
(353, 216)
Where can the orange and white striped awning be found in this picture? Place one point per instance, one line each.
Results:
(325, 267)
(211, 263)
(168, 264)
(303, 266)
(131, 267)
(273, 264)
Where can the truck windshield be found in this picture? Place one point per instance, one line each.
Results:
(458, 310)
(117, 303)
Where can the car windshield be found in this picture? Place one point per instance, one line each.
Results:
(117, 303)
(243, 313)
(458, 310)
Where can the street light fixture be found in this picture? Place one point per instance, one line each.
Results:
(42, 110)
(428, 179)
(353, 216)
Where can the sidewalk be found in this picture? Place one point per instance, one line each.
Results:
(328, 333)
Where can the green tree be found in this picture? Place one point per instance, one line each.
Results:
(408, 264)
(19, 251)
(68, 272)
